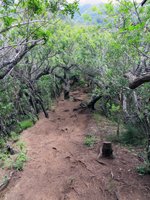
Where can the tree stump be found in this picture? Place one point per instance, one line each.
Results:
(66, 94)
(107, 151)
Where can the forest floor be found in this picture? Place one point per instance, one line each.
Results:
(61, 167)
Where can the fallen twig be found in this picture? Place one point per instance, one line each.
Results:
(100, 162)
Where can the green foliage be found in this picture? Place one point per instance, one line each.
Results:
(21, 157)
(131, 136)
(2, 142)
(36, 6)
(14, 136)
(143, 169)
(26, 124)
(87, 17)
(115, 108)
(8, 2)
(3, 158)
(8, 20)
(16, 161)
(99, 53)
(89, 140)
(71, 8)
(20, 161)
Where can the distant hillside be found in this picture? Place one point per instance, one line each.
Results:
(92, 2)
(89, 15)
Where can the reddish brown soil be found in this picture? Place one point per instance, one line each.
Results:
(61, 167)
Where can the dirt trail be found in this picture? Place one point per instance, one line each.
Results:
(60, 167)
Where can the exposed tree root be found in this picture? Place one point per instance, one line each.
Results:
(6, 181)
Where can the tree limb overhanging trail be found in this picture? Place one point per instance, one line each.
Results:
(22, 24)
(136, 81)
(12, 63)
(143, 2)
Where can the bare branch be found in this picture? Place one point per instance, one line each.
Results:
(21, 24)
(136, 81)
(11, 64)
(143, 2)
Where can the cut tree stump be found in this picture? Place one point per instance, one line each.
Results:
(107, 151)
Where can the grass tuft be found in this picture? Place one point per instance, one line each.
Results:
(89, 140)
(14, 137)
(26, 124)
(20, 161)
(143, 169)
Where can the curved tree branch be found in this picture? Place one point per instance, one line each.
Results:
(136, 81)
(11, 64)
(143, 2)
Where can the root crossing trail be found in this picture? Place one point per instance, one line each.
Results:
(60, 167)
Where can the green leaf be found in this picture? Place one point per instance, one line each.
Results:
(8, 20)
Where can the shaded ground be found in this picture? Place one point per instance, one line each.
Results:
(60, 167)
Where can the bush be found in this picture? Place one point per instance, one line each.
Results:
(14, 161)
(89, 140)
(2, 143)
(20, 160)
(14, 136)
(144, 169)
(131, 136)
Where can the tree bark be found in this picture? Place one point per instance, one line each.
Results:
(66, 85)
(135, 81)
(12, 63)
(143, 2)
(92, 103)
(107, 150)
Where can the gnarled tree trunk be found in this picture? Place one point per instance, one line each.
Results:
(92, 103)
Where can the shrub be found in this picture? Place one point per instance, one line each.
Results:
(14, 161)
(143, 169)
(20, 160)
(21, 157)
(89, 140)
(2, 143)
(14, 136)
(131, 136)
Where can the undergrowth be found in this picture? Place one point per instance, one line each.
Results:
(89, 140)
(143, 169)
(26, 124)
(130, 137)
(15, 161)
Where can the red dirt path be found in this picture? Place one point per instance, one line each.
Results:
(60, 167)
